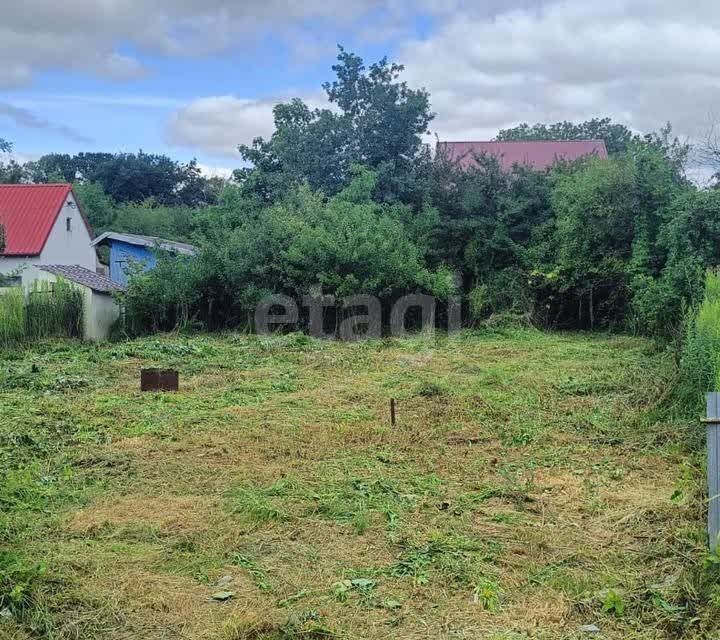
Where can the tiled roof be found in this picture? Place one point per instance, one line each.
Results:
(82, 276)
(537, 154)
(27, 213)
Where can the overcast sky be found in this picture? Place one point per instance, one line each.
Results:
(193, 78)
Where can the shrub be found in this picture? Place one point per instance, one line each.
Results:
(54, 310)
(47, 311)
(700, 360)
(12, 318)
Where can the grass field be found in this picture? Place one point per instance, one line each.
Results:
(530, 486)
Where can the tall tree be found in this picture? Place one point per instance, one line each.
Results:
(129, 177)
(617, 137)
(377, 121)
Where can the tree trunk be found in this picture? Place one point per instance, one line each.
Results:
(592, 311)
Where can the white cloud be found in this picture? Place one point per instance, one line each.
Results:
(37, 35)
(218, 124)
(642, 62)
(492, 65)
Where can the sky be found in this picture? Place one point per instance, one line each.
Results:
(195, 78)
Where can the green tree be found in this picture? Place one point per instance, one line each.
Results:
(129, 177)
(617, 137)
(593, 242)
(378, 122)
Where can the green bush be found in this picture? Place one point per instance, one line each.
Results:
(700, 360)
(54, 310)
(12, 318)
(48, 310)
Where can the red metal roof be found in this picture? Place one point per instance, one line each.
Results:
(27, 213)
(539, 154)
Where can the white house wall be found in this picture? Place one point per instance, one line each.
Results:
(20, 266)
(62, 246)
(69, 247)
(100, 310)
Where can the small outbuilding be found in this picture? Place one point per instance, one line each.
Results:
(101, 308)
(129, 251)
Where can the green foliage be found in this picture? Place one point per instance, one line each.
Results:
(303, 245)
(54, 309)
(617, 137)
(700, 361)
(18, 578)
(613, 603)
(47, 310)
(129, 177)
(378, 122)
(12, 318)
(345, 200)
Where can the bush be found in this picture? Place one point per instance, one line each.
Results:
(47, 311)
(700, 360)
(54, 310)
(12, 318)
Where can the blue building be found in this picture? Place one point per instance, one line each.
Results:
(128, 251)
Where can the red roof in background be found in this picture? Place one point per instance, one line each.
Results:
(539, 154)
(27, 213)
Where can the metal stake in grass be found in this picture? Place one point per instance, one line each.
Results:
(712, 422)
(392, 411)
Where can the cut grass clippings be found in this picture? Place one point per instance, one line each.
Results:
(530, 487)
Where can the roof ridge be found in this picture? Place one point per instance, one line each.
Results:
(37, 185)
(596, 140)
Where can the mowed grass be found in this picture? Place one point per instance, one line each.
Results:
(530, 486)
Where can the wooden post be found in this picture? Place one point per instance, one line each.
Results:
(712, 423)
(392, 411)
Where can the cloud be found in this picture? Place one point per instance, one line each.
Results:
(492, 65)
(94, 37)
(27, 119)
(218, 124)
(642, 62)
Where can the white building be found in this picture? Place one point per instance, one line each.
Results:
(43, 224)
(46, 237)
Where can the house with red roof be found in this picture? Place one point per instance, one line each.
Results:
(43, 224)
(47, 237)
(536, 154)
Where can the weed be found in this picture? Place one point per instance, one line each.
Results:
(258, 575)
(612, 602)
(487, 594)
(257, 506)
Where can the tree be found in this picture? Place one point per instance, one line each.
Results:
(129, 177)
(11, 172)
(377, 122)
(593, 243)
(617, 137)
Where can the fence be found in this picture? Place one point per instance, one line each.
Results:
(712, 423)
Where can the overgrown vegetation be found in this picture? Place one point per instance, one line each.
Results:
(46, 310)
(348, 200)
(531, 483)
(700, 363)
